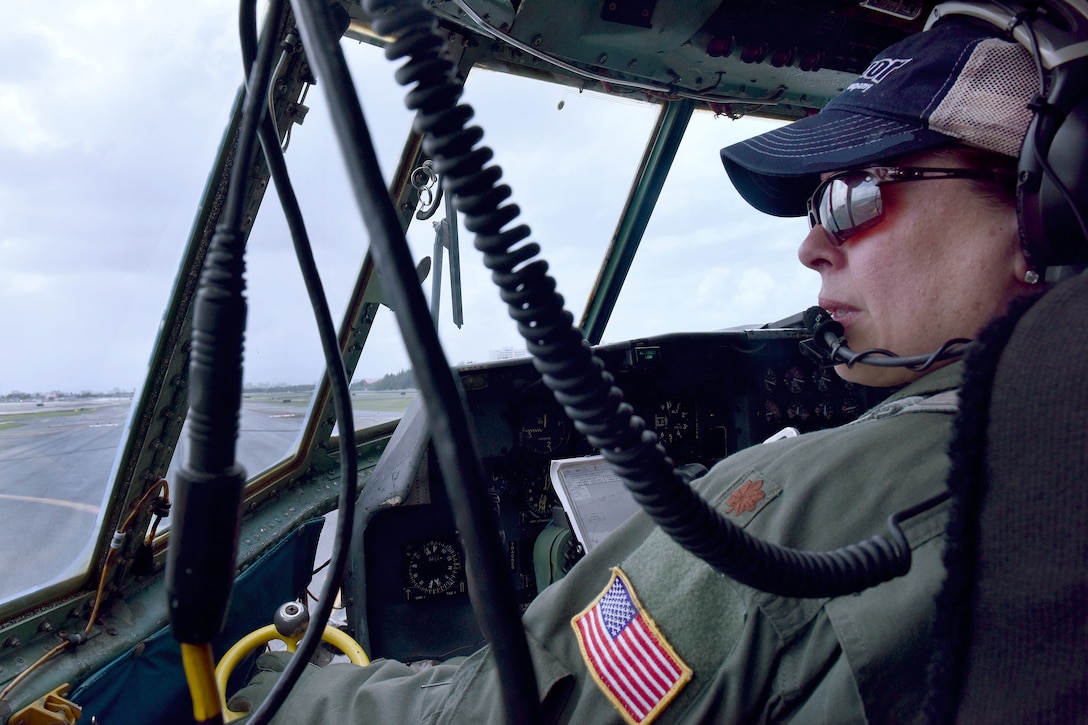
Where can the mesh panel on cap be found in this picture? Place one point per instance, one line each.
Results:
(987, 105)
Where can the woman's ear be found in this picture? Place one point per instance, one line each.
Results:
(1023, 274)
(1022, 271)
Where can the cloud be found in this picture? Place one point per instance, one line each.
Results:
(113, 116)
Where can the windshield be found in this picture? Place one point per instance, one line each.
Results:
(113, 121)
(708, 260)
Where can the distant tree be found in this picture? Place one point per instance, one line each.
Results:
(395, 381)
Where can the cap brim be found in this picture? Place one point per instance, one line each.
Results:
(777, 171)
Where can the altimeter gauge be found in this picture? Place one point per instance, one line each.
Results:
(433, 567)
(543, 428)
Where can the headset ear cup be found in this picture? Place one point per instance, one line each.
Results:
(1051, 233)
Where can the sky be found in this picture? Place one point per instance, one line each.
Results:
(110, 118)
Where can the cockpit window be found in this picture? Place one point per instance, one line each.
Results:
(569, 158)
(708, 261)
(103, 161)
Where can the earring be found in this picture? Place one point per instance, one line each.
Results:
(1031, 277)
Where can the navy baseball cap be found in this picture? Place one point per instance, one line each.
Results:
(956, 82)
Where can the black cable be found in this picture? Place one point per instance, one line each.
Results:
(568, 366)
(828, 347)
(247, 35)
(950, 350)
(341, 394)
(203, 547)
(490, 589)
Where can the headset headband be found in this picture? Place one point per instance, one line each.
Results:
(1052, 188)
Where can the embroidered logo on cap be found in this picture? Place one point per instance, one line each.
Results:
(628, 657)
(877, 71)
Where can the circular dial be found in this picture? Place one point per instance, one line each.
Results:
(433, 567)
(797, 411)
(537, 496)
(771, 412)
(500, 481)
(543, 428)
(795, 379)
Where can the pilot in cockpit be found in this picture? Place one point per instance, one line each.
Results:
(908, 179)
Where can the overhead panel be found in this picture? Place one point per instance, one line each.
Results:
(778, 57)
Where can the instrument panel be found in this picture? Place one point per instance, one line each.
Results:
(705, 394)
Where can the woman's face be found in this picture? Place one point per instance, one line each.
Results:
(944, 260)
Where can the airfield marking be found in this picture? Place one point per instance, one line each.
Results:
(54, 501)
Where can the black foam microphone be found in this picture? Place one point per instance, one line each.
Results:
(828, 347)
(828, 335)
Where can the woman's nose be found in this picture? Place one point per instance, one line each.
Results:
(818, 251)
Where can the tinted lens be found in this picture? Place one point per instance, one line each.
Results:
(845, 204)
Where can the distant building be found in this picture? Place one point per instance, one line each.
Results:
(507, 353)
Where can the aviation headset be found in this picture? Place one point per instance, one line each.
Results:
(1052, 183)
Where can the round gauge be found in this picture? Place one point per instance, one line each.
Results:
(672, 422)
(795, 379)
(825, 409)
(433, 567)
(500, 481)
(543, 428)
(538, 498)
(771, 412)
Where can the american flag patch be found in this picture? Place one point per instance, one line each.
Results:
(627, 655)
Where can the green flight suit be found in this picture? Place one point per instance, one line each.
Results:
(753, 657)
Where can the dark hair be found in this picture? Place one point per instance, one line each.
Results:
(1001, 193)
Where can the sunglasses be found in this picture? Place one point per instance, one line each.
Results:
(850, 202)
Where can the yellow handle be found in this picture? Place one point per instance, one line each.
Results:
(337, 638)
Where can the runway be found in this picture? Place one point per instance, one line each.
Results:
(56, 459)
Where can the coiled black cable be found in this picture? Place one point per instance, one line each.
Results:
(568, 366)
(489, 587)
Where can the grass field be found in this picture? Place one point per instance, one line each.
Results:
(393, 401)
(14, 420)
(44, 413)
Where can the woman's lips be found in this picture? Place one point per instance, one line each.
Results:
(842, 313)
